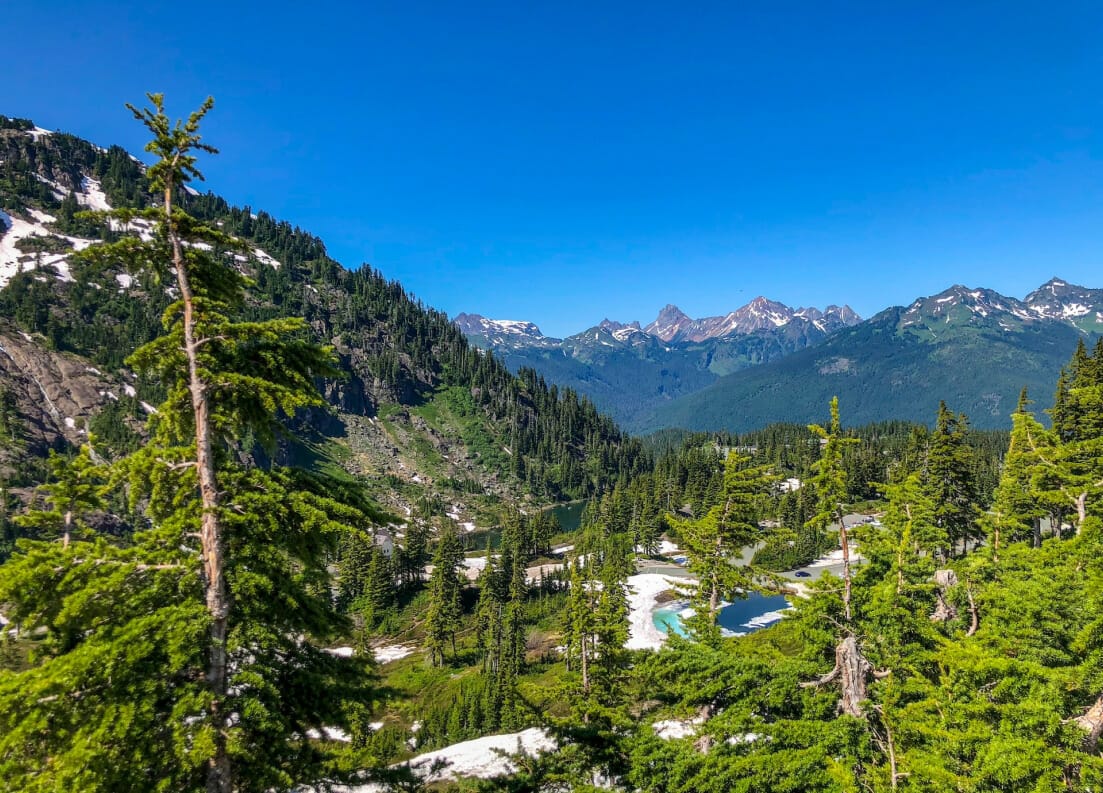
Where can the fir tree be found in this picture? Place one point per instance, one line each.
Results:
(442, 618)
(73, 493)
(830, 484)
(185, 659)
(950, 479)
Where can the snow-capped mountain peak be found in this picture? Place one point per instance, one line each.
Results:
(1055, 300)
(476, 324)
(670, 322)
(761, 314)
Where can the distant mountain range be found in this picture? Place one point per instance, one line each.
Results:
(629, 370)
(767, 362)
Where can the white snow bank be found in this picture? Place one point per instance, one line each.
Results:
(13, 260)
(665, 548)
(643, 590)
(330, 734)
(264, 258)
(386, 653)
(480, 758)
(763, 620)
(92, 195)
(341, 652)
(836, 557)
(672, 729)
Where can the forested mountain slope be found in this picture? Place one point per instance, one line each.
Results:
(974, 348)
(416, 402)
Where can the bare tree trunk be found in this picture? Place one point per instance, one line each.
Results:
(888, 746)
(219, 775)
(68, 528)
(1081, 511)
(1092, 723)
(846, 565)
(852, 671)
(974, 622)
(1038, 532)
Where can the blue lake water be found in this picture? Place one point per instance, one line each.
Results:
(742, 616)
(569, 515)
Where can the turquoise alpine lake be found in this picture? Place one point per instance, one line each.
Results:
(747, 615)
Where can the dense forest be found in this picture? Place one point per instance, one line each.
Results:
(192, 602)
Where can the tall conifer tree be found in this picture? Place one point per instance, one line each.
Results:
(186, 658)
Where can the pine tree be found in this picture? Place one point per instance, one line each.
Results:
(718, 535)
(1017, 511)
(185, 659)
(830, 485)
(442, 618)
(950, 478)
(73, 493)
(379, 592)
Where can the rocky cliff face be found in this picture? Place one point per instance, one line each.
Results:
(55, 396)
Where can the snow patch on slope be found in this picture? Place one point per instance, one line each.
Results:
(482, 758)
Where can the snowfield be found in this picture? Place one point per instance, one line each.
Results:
(481, 758)
(392, 652)
(836, 557)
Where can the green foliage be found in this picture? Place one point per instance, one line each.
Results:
(120, 693)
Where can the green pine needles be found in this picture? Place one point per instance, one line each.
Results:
(184, 655)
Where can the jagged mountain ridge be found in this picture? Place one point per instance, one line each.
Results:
(975, 348)
(673, 325)
(628, 370)
(419, 405)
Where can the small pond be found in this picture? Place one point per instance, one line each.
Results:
(754, 612)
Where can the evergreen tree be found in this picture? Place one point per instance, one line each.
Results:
(379, 592)
(830, 484)
(1017, 511)
(73, 493)
(721, 533)
(185, 659)
(442, 618)
(950, 478)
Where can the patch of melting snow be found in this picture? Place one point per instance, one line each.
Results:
(391, 652)
(340, 652)
(92, 195)
(672, 729)
(762, 620)
(836, 557)
(330, 734)
(264, 258)
(482, 758)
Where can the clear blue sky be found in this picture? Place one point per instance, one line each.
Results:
(562, 162)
